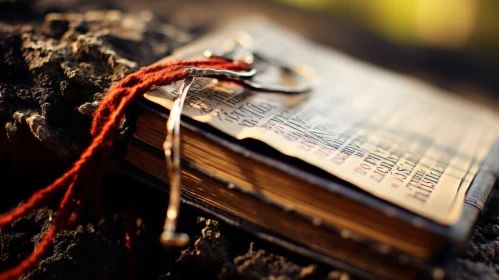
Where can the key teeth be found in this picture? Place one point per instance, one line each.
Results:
(171, 239)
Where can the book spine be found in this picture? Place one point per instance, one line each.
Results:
(485, 180)
(424, 271)
(478, 195)
(404, 259)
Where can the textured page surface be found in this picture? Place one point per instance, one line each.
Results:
(399, 139)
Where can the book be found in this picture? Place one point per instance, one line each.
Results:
(372, 172)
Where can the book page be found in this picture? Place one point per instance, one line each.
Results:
(397, 138)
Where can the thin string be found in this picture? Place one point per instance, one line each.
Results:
(171, 147)
(107, 116)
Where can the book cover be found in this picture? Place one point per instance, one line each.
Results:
(401, 147)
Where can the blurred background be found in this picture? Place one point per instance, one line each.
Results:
(467, 25)
(452, 43)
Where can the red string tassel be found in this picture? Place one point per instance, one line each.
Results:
(105, 120)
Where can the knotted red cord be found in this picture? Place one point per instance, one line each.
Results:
(105, 120)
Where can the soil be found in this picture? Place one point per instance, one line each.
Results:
(54, 69)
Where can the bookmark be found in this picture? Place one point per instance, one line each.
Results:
(242, 69)
(171, 145)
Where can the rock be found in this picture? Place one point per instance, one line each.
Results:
(18, 240)
(264, 265)
(54, 70)
(481, 259)
(53, 73)
(91, 252)
(211, 249)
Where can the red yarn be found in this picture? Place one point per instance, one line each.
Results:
(130, 236)
(82, 196)
(105, 120)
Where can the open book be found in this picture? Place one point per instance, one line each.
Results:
(372, 171)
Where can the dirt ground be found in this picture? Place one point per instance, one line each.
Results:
(53, 71)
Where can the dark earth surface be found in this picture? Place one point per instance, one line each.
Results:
(54, 69)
